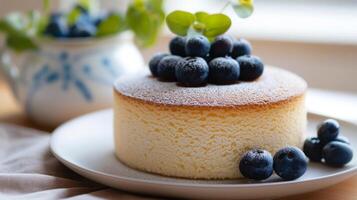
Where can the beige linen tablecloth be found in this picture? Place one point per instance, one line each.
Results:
(29, 171)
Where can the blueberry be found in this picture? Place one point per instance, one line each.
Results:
(82, 28)
(177, 46)
(222, 46)
(208, 59)
(251, 68)
(57, 27)
(290, 163)
(192, 72)
(328, 131)
(256, 164)
(197, 46)
(337, 153)
(241, 47)
(223, 71)
(154, 62)
(343, 139)
(313, 149)
(167, 66)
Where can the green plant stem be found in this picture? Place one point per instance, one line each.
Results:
(46, 6)
(224, 7)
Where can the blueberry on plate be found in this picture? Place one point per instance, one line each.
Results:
(337, 154)
(256, 164)
(192, 72)
(221, 46)
(177, 46)
(167, 66)
(154, 62)
(57, 27)
(241, 47)
(313, 149)
(223, 71)
(197, 46)
(290, 163)
(251, 67)
(328, 131)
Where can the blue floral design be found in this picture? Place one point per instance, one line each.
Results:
(67, 77)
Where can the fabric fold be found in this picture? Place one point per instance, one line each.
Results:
(29, 171)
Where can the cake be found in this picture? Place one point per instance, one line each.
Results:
(201, 132)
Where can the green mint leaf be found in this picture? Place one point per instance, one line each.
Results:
(244, 8)
(199, 27)
(112, 24)
(42, 25)
(216, 24)
(179, 22)
(200, 16)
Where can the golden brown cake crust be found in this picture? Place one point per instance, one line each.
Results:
(275, 85)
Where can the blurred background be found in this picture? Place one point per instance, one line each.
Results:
(317, 39)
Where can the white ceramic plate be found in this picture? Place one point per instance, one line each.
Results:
(86, 146)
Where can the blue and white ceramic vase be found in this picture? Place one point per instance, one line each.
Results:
(66, 78)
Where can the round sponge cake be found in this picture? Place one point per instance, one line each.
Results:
(201, 132)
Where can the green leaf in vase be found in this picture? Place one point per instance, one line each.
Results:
(20, 42)
(155, 5)
(85, 4)
(46, 6)
(145, 21)
(179, 22)
(244, 8)
(35, 20)
(19, 29)
(73, 15)
(111, 25)
(216, 24)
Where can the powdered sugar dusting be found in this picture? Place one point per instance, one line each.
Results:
(273, 86)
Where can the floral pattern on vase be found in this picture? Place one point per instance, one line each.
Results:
(60, 81)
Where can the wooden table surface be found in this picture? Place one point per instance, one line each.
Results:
(11, 112)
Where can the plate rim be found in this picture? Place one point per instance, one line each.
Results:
(72, 165)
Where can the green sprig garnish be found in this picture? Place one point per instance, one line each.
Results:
(19, 29)
(144, 18)
(210, 25)
(180, 21)
(115, 23)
